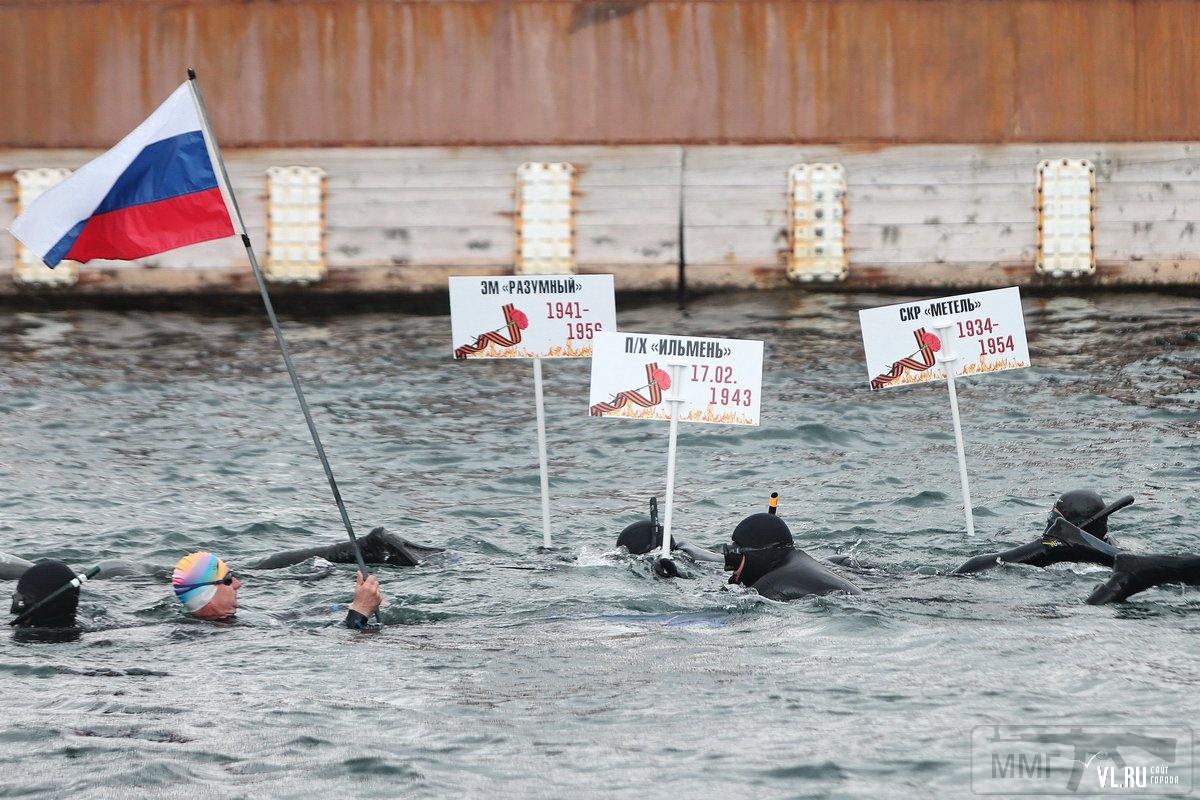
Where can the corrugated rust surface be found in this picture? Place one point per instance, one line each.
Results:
(488, 72)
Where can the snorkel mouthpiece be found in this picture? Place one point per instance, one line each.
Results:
(736, 577)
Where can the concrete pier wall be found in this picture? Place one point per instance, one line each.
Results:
(402, 219)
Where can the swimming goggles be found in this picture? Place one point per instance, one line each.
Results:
(734, 553)
(226, 581)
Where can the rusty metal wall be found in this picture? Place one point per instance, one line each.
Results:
(539, 71)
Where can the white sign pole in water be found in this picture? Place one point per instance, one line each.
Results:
(947, 355)
(676, 400)
(710, 380)
(535, 317)
(541, 435)
(977, 333)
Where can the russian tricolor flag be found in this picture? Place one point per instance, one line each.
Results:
(155, 191)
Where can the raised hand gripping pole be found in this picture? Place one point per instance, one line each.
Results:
(947, 357)
(231, 202)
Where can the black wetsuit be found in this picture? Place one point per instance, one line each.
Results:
(645, 537)
(798, 575)
(764, 557)
(1133, 574)
(1079, 507)
(378, 547)
(1035, 554)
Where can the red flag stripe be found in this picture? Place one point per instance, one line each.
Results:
(150, 228)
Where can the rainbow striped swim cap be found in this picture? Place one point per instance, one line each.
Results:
(197, 568)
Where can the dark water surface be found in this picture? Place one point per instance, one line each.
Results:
(147, 435)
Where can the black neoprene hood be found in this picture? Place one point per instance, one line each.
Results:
(762, 530)
(39, 581)
(641, 538)
(1080, 505)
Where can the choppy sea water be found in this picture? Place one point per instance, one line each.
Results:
(506, 672)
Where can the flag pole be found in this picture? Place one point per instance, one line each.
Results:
(231, 201)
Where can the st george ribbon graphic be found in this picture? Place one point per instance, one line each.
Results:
(515, 321)
(656, 382)
(927, 345)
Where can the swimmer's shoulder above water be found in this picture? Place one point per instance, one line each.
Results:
(1081, 507)
(763, 556)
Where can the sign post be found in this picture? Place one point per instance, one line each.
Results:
(534, 317)
(947, 356)
(706, 380)
(540, 407)
(676, 401)
(977, 333)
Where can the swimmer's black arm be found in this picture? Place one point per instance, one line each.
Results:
(696, 553)
(1033, 553)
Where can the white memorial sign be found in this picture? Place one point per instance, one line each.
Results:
(534, 317)
(720, 380)
(968, 334)
(543, 316)
(987, 333)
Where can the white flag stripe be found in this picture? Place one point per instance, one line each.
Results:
(64, 206)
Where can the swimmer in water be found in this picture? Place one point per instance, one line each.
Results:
(46, 596)
(1082, 508)
(1131, 573)
(764, 557)
(646, 536)
(208, 590)
(37, 580)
